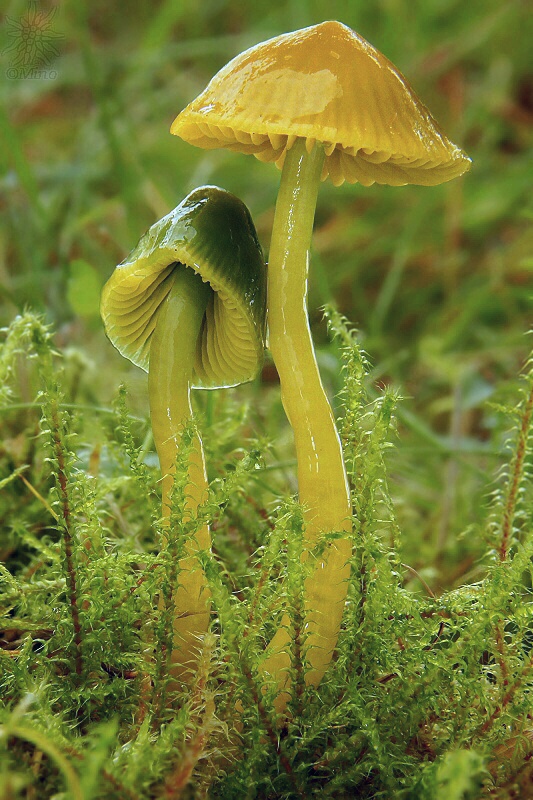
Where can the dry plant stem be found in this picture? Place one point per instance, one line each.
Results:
(516, 477)
(68, 542)
(506, 699)
(172, 354)
(323, 486)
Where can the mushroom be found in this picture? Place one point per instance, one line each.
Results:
(188, 306)
(320, 102)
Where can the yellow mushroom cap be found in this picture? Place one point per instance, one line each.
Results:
(211, 232)
(324, 83)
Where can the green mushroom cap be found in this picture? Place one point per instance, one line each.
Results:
(211, 232)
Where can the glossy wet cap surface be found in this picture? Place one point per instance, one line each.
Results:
(211, 232)
(323, 83)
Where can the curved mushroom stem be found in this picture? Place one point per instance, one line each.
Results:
(172, 356)
(323, 487)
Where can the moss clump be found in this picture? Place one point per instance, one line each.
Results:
(427, 696)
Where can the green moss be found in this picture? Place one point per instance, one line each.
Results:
(428, 695)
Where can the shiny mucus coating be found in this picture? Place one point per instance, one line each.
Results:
(210, 232)
(323, 83)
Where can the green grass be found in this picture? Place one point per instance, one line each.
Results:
(436, 280)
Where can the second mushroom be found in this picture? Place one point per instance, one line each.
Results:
(188, 306)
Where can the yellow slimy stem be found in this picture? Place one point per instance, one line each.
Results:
(323, 487)
(172, 355)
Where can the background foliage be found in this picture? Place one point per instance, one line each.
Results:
(437, 280)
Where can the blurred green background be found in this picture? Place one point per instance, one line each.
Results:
(436, 279)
